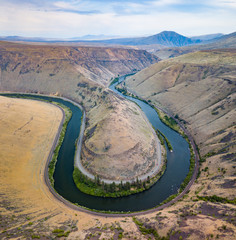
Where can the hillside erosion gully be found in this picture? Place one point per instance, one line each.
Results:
(79, 208)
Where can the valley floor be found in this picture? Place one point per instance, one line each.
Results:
(28, 209)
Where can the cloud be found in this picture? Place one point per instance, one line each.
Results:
(73, 18)
(224, 3)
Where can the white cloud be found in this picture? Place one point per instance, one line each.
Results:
(166, 2)
(136, 19)
(224, 3)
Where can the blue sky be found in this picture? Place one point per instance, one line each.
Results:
(74, 18)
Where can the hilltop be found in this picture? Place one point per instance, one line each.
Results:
(165, 38)
(225, 41)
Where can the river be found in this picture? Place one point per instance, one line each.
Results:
(178, 163)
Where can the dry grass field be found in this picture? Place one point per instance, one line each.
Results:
(200, 88)
(28, 210)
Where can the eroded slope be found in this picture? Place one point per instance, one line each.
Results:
(118, 123)
(199, 88)
(50, 62)
(119, 145)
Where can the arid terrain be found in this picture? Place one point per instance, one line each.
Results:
(60, 63)
(82, 74)
(198, 87)
(116, 154)
(28, 209)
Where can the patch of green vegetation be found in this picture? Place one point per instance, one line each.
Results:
(58, 230)
(150, 231)
(115, 80)
(169, 121)
(65, 234)
(191, 168)
(215, 198)
(212, 153)
(120, 236)
(98, 188)
(214, 113)
(160, 137)
(160, 134)
(35, 236)
(205, 74)
(52, 164)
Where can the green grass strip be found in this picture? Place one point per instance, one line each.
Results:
(52, 164)
(215, 198)
(161, 136)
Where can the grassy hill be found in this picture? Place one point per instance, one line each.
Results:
(200, 88)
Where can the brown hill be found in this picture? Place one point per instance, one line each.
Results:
(80, 74)
(200, 88)
(95, 63)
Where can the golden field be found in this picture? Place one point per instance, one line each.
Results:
(28, 209)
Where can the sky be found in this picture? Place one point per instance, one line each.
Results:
(75, 18)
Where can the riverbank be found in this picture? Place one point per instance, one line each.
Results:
(98, 186)
(177, 126)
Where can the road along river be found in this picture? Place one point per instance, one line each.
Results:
(178, 163)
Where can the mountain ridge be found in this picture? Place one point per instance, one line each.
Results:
(164, 38)
(95, 63)
(225, 41)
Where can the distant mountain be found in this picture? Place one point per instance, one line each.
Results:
(152, 43)
(166, 38)
(225, 41)
(92, 37)
(41, 39)
(207, 37)
(27, 39)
